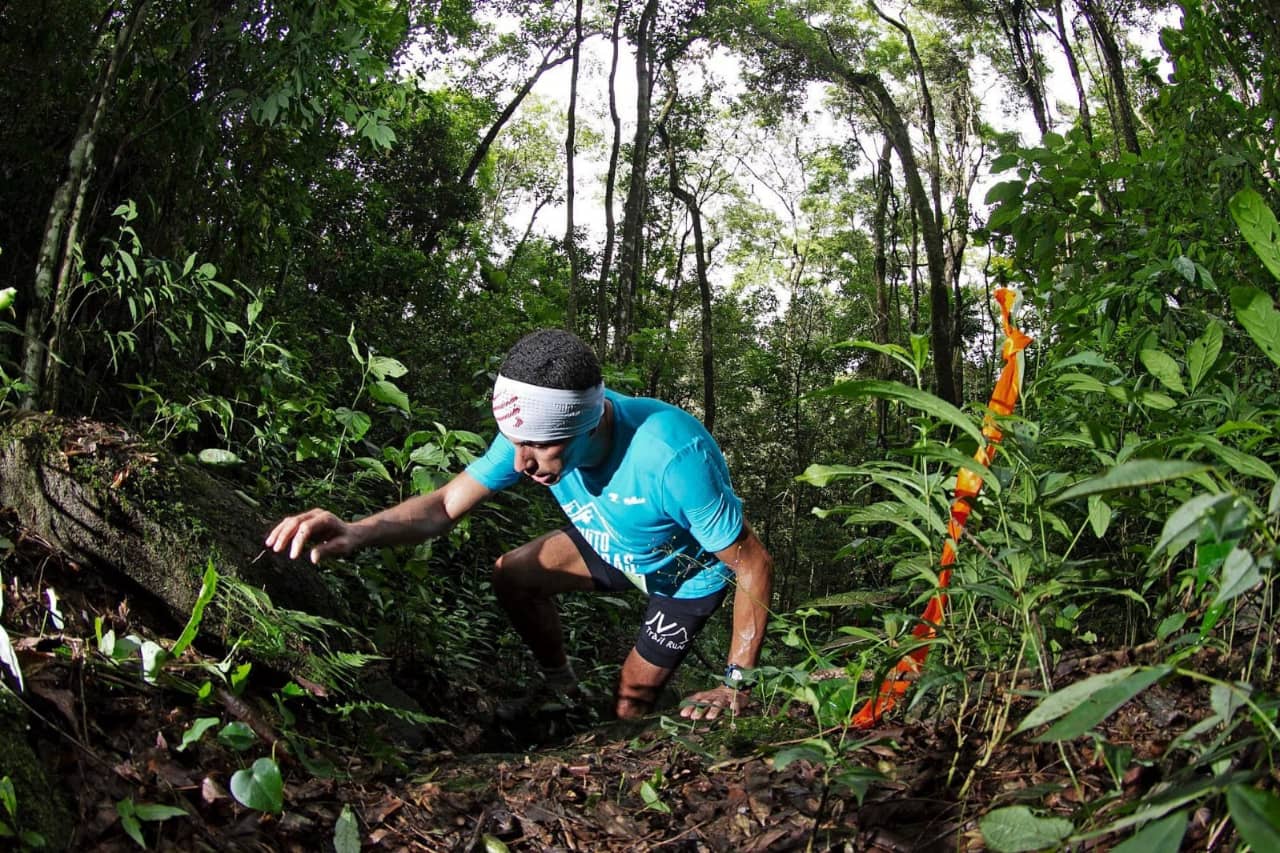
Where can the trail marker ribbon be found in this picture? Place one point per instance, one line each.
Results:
(968, 484)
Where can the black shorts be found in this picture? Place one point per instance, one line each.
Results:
(670, 624)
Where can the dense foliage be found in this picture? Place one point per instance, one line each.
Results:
(291, 239)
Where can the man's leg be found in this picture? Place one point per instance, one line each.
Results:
(669, 629)
(639, 686)
(526, 581)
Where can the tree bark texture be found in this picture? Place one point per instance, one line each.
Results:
(1104, 36)
(704, 285)
(113, 503)
(813, 48)
(50, 296)
(631, 256)
(570, 151)
(610, 184)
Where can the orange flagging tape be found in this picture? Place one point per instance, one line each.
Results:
(968, 484)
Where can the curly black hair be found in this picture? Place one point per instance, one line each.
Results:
(552, 358)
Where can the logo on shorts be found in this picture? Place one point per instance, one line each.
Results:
(670, 635)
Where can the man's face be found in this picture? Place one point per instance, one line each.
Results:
(544, 462)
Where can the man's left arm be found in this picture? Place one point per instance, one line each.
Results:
(753, 584)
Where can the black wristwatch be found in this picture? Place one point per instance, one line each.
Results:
(734, 677)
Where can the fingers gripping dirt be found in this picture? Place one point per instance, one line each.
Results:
(329, 535)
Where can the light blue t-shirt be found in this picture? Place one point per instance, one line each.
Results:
(657, 509)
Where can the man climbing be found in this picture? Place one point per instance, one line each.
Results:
(649, 502)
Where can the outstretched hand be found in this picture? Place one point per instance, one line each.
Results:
(332, 537)
(709, 704)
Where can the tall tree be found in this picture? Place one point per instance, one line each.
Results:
(818, 53)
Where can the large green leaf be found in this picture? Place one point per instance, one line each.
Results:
(1256, 815)
(1015, 829)
(1202, 353)
(207, 588)
(1239, 575)
(259, 787)
(1257, 313)
(823, 475)
(1132, 475)
(1184, 524)
(1066, 700)
(913, 397)
(1258, 225)
(346, 832)
(1159, 836)
(1100, 704)
(386, 391)
(1162, 366)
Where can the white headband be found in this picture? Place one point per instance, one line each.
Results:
(532, 413)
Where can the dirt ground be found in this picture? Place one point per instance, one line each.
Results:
(562, 780)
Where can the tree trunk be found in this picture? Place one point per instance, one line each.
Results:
(704, 285)
(610, 183)
(1064, 39)
(883, 181)
(51, 297)
(113, 503)
(877, 97)
(549, 60)
(631, 258)
(570, 149)
(1015, 23)
(1103, 34)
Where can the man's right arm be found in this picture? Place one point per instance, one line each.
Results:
(417, 519)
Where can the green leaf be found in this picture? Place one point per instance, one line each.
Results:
(1099, 515)
(913, 397)
(1132, 475)
(218, 458)
(815, 750)
(368, 463)
(824, 475)
(238, 736)
(197, 730)
(154, 813)
(1004, 191)
(1185, 267)
(1257, 314)
(8, 796)
(188, 264)
(1004, 162)
(385, 391)
(1162, 366)
(1239, 575)
(1184, 524)
(346, 832)
(381, 367)
(1160, 836)
(208, 587)
(356, 423)
(7, 296)
(1258, 225)
(1063, 701)
(652, 800)
(127, 260)
(494, 844)
(132, 828)
(207, 270)
(1097, 704)
(1256, 815)
(1014, 829)
(1203, 353)
(260, 788)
